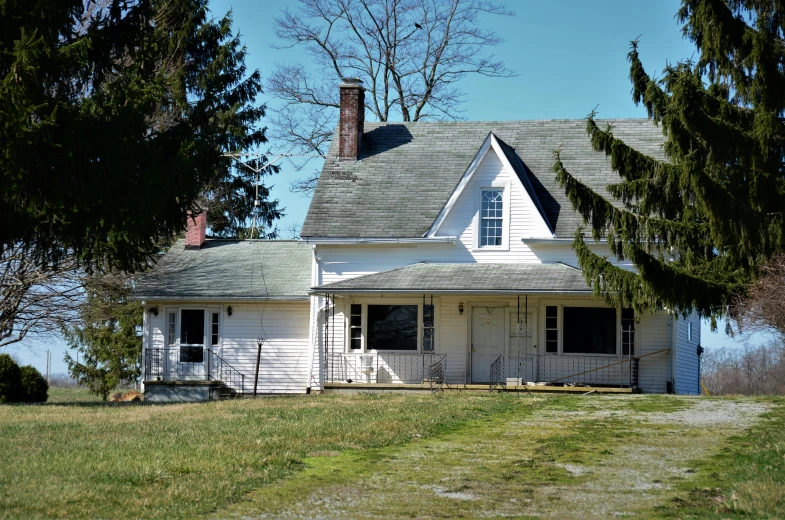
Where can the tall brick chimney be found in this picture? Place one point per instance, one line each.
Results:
(352, 118)
(196, 230)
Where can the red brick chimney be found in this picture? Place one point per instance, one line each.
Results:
(196, 229)
(352, 118)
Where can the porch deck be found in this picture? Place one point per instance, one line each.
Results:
(343, 388)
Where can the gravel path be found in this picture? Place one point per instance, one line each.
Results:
(591, 458)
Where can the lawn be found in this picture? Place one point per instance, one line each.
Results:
(89, 460)
(357, 456)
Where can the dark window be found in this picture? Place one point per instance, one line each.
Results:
(551, 329)
(356, 327)
(427, 328)
(589, 330)
(192, 327)
(392, 327)
(627, 332)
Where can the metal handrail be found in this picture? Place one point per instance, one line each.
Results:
(217, 368)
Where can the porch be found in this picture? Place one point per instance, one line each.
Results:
(428, 371)
(189, 374)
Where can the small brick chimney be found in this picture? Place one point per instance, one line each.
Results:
(352, 118)
(196, 229)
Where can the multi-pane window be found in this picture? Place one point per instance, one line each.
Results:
(491, 217)
(171, 332)
(214, 330)
(551, 329)
(427, 328)
(627, 332)
(356, 327)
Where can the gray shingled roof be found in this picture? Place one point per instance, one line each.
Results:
(230, 269)
(466, 277)
(406, 172)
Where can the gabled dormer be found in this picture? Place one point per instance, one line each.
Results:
(493, 206)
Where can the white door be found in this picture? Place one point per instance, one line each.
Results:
(192, 345)
(523, 345)
(487, 340)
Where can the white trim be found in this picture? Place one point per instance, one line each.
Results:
(505, 186)
(554, 240)
(371, 240)
(220, 299)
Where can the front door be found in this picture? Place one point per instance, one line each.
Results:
(487, 340)
(192, 344)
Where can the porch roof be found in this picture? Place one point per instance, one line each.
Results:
(441, 278)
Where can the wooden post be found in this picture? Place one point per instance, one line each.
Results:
(258, 360)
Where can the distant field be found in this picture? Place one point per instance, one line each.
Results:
(357, 456)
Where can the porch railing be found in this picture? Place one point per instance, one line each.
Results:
(381, 367)
(163, 364)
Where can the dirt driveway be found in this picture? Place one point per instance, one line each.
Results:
(564, 457)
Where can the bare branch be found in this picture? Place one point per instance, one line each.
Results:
(410, 55)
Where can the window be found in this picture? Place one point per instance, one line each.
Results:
(427, 328)
(356, 327)
(551, 329)
(392, 327)
(171, 332)
(214, 330)
(689, 331)
(491, 217)
(191, 336)
(589, 330)
(627, 332)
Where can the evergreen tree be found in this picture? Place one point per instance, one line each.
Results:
(698, 225)
(114, 118)
(108, 338)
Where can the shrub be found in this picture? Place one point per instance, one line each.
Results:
(10, 380)
(35, 389)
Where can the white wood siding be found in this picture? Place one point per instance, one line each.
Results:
(687, 364)
(285, 352)
(651, 335)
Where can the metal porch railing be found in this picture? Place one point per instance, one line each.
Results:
(381, 367)
(163, 364)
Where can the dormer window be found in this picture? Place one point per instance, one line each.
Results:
(491, 217)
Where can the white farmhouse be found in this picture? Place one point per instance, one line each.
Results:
(434, 254)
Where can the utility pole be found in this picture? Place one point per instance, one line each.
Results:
(48, 358)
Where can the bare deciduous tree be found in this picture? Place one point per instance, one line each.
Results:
(748, 371)
(409, 53)
(36, 298)
(762, 309)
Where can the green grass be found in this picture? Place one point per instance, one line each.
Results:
(746, 479)
(356, 456)
(178, 461)
(71, 395)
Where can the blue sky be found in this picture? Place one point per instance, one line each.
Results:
(570, 56)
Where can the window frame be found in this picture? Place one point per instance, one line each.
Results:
(505, 188)
(390, 301)
(561, 303)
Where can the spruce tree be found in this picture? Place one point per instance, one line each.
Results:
(698, 225)
(115, 116)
